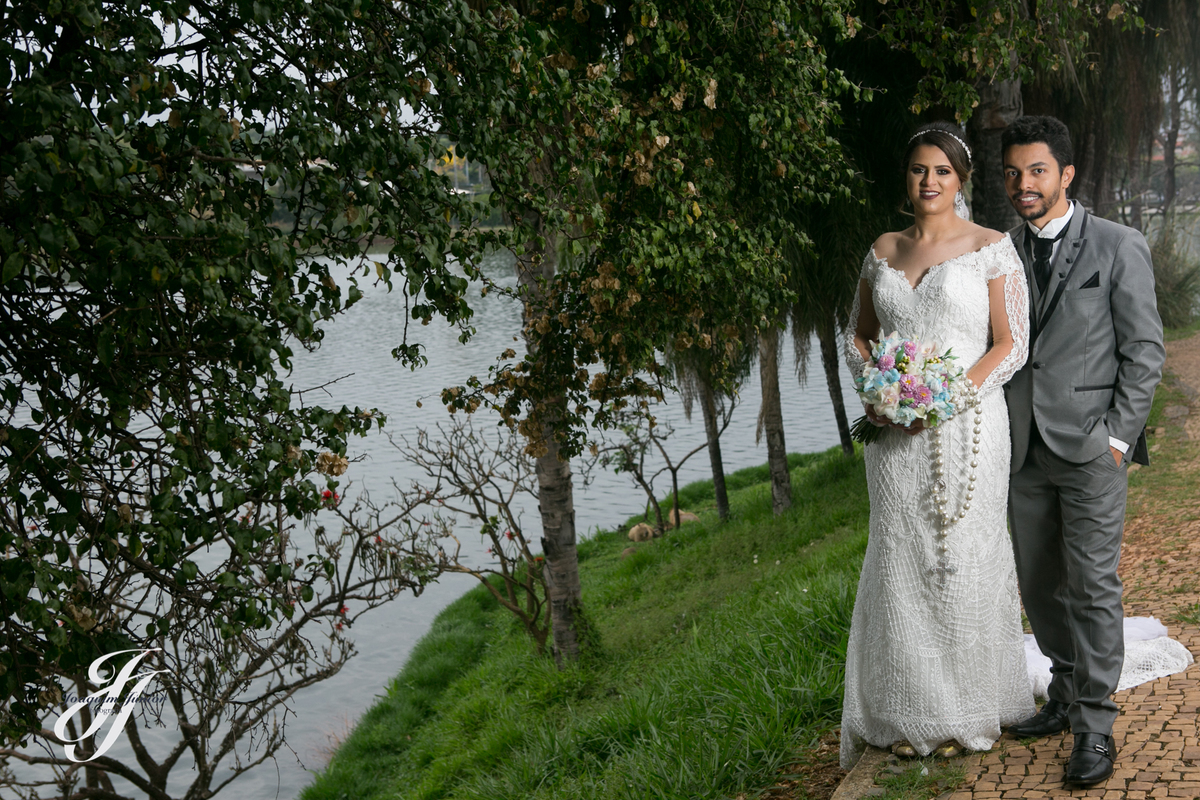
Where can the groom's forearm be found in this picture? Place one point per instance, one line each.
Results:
(1138, 331)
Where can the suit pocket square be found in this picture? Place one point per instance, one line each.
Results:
(1092, 282)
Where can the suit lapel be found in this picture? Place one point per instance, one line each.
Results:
(1066, 261)
(1018, 236)
(1021, 242)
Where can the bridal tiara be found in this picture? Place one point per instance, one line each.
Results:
(948, 133)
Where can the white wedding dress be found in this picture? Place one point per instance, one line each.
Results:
(936, 651)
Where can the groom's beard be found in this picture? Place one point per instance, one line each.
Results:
(1037, 210)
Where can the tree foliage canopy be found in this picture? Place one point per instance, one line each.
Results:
(650, 153)
(168, 168)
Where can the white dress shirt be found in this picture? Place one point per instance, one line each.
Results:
(1053, 227)
(1049, 231)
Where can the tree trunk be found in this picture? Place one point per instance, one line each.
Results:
(556, 501)
(1138, 180)
(831, 360)
(708, 404)
(999, 104)
(675, 517)
(771, 420)
(1170, 142)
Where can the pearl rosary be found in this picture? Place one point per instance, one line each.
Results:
(947, 520)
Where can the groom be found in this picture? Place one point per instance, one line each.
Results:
(1078, 409)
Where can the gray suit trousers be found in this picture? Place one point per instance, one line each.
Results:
(1067, 521)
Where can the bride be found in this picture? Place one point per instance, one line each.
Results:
(936, 660)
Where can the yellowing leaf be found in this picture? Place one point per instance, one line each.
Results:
(1115, 11)
(379, 269)
(696, 209)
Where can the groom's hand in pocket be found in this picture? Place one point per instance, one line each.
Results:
(1116, 454)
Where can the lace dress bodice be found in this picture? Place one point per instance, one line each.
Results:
(936, 650)
(950, 306)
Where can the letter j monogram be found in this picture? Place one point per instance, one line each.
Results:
(107, 703)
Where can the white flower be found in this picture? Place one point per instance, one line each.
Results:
(332, 464)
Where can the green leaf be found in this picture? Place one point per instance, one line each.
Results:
(12, 267)
(105, 347)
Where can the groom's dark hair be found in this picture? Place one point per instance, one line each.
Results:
(1049, 131)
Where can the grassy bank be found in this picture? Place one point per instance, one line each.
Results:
(721, 649)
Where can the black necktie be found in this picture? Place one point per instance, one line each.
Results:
(1043, 251)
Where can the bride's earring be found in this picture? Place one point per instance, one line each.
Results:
(960, 206)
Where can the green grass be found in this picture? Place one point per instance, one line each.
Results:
(1188, 615)
(922, 779)
(1184, 332)
(1168, 486)
(712, 670)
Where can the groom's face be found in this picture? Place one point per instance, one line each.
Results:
(1036, 184)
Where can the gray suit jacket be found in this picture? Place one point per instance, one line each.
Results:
(1096, 345)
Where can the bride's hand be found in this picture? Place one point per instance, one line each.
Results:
(876, 420)
(917, 426)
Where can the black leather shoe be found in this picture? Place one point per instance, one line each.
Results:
(1091, 759)
(1051, 719)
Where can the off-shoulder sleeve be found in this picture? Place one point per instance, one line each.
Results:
(854, 359)
(1007, 266)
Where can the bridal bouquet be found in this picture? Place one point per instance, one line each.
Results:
(907, 380)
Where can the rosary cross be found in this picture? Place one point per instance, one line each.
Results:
(943, 571)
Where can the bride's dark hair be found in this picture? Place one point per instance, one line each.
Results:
(948, 138)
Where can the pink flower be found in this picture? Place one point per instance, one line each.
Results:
(885, 363)
(910, 349)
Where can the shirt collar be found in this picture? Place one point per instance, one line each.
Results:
(1053, 226)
